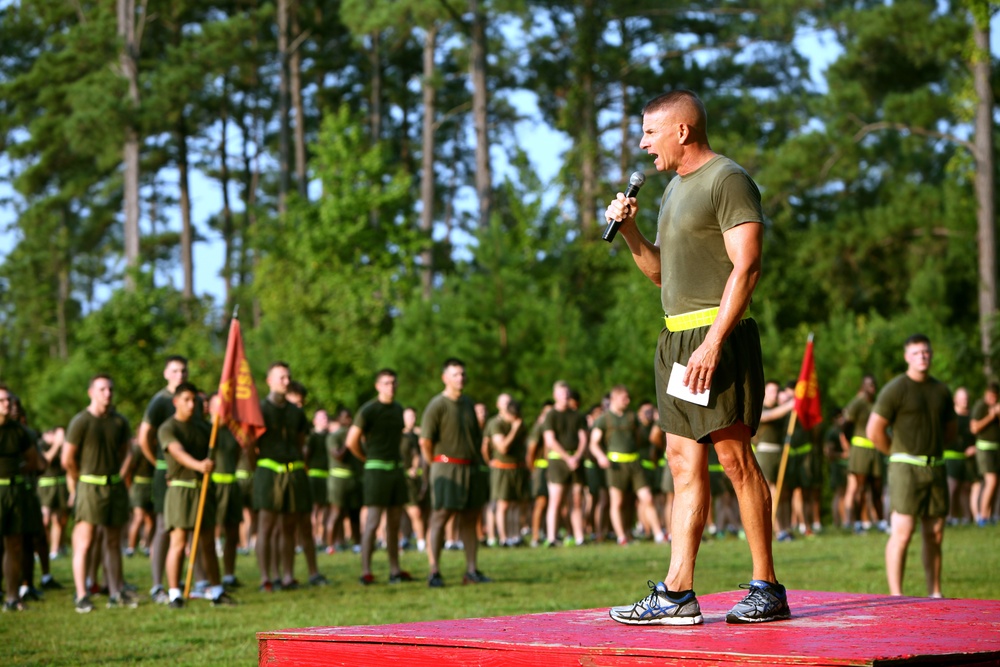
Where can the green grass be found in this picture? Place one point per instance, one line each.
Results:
(526, 580)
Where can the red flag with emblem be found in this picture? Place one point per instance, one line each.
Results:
(239, 407)
(807, 402)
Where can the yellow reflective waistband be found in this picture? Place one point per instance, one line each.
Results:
(865, 443)
(925, 461)
(183, 483)
(622, 457)
(223, 478)
(801, 450)
(589, 464)
(715, 467)
(319, 473)
(341, 473)
(951, 455)
(7, 481)
(553, 456)
(377, 464)
(100, 480)
(694, 319)
(139, 479)
(768, 448)
(50, 481)
(271, 464)
(541, 463)
(161, 464)
(987, 446)
(243, 474)
(649, 465)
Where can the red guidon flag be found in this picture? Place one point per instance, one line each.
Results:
(807, 402)
(239, 408)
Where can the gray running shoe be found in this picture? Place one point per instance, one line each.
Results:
(83, 605)
(658, 608)
(764, 602)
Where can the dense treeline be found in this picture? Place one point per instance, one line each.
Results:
(379, 209)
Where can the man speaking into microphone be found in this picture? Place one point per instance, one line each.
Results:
(709, 374)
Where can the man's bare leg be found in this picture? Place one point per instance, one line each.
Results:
(895, 551)
(689, 466)
(933, 535)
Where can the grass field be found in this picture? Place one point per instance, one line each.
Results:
(525, 580)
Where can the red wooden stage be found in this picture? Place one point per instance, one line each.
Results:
(825, 629)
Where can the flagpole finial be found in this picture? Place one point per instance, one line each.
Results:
(236, 313)
(810, 337)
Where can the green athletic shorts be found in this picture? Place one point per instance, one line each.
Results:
(718, 483)
(540, 483)
(102, 505)
(559, 473)
(318, 491)
(769, 463)
(507, 484)
(865, 461)
(140, 495)
(793, 473)
(457, 487)
(962, 470)
(228, 504)
(345, 492)
(159, 490)
(181, 508)
(32, 522)
(281, 492)
(244, 478)
(667, 480)
(414, 489)
(11, 508)
(987, 461)
(838, 474)
(595, 478)
(737, 391)
(626, 476)
(53, 494)
(919, 491)
(385, 488)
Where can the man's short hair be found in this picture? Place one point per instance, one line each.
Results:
(385, 372)
(184, 388)
(99, 376)
(993, 387)
(667, 100)
(514, 408)
(917, 339)
(618, 388)
(452, 361)
(175, 357)
(278, 364)
(560, 384)
(296, 387)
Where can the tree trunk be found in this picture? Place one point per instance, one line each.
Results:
(283, 110)
(985, 215)
(227, 211)
(129, 63)
(295, 74)
(375, 99)
(589, 35)
(480, 117)
(187, 234)
(427, 164)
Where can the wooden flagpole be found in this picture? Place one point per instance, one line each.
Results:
(784, 464)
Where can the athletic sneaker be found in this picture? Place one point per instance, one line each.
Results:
(435, 580)
(400, 576)
(223, 601)
(764, 602)
(318, 580)
(366, 579)
(13, 605)
(660, 608)
(84, 605)
(475, 577)
(230, 581)
(51, 585)
(159, 596)
(123, 600)
(177, 603)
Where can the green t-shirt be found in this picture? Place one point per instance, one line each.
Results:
(100, 441)
(695, 211)
(990, 432)
(963, 435)
(141, 467)
(565, 426)
(453, 429)
(409, 448)
(918, 413)
(227, 453)
(534, 439)
(621, 433)
(284, 424)
(382, 426)
(336, 442)
(856, 416)
(317, 457)
(193, 435)
(14, 442)
(773, 432)
(518, 448)
(55, 467)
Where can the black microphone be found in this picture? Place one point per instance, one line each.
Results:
(635, 182)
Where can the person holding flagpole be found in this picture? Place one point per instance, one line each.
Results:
(708, 366)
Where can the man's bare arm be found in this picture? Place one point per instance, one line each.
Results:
(877, 432)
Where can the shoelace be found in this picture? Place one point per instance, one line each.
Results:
(760, 598)
(652, 599)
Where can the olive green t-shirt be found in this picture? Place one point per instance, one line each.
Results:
(991, 432)
(55, 467)
(284, 424)
(336, 441)
(227, 452)
(773, 432)
(963, 434)
(141, 467)
(317, 457)
(856, 415)
(621, 433)
(193, 435)
(161, 408)
(518, 448)
(695, 211)
(382, 426)
(918, 413)
(409, 447)
(565, 426)
(14, 442)
(535, 439)
(100, 441)
(452, 427)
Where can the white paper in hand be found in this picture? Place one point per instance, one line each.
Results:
(676, 388)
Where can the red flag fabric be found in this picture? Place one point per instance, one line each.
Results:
(807, 401)
(239, 407)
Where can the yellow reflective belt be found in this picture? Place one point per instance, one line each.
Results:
(951, 455)
(377, 464)
(622, 457)
(319, 473)
(271, 464)
(589, 464)
(100, 480)
(694, 319)
(223, 478)
(925, 461)
(541, 463)
(649, 465)
(553, 456)
(161, 464)
(139, 479)
(183, 483)
(864, 443)
(715, 467)
(243, 474)
(341, 473)
(7, 481)
(50, 481)
(987, 446)
(801, 450)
